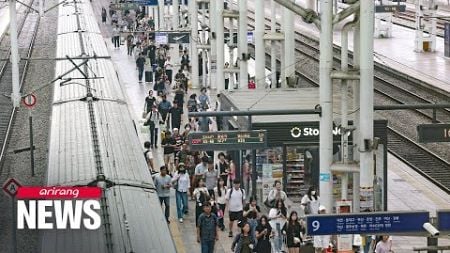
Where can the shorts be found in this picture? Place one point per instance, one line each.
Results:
(236, 215)
(168, 158)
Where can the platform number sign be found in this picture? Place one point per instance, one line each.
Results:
(11, 187)
(29, 101)
(434, 133)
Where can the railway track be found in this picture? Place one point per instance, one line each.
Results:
(27, 30)
(410, 18)
(420, 158)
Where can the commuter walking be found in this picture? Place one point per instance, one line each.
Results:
(311, 202)
(150, 101)
(251, 215)
(211, 178)
(176, 113)
(235, 197)
(153, 120)
(277, 216)
(275, 194)
(220, 192)
(294, 233)
(140, 63)
(181, 183)
(263, 234)
(169, 145)
(322, 242)
(201, 196)
(243, 242)
(162, 184)
(104, 15)
(116, 36)
(149, 156)
(222, 167)
(164, 107)
(207, 229)
(246, 173)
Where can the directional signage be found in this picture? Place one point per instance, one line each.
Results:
(124, 6)
(390, 8)
(443, 219)
(250, 37)
(161, 38)
(228, 140)
(433, 133)
(11, 187)
(29, 101)
(147, 2)
(367, 223)
(178, 38)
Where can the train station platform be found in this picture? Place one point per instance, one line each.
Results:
(396, 52)
(407, 190)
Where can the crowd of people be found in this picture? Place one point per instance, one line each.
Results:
(213, 187)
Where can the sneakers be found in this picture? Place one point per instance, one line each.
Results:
(181, 220)
(230, 234)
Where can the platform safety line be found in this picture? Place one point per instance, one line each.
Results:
(176, 235)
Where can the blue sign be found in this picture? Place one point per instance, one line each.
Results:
(147, 2)
(366, 223)
(443, 218)
(324, 177)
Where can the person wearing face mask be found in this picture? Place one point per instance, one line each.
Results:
(181, 183)
(311, 202)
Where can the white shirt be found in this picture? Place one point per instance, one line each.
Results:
(315, 204)
(149, 154)
(184, 183)
(221, 199)
(274, 193)
(154, 116)
(322, 241)
(235, 199)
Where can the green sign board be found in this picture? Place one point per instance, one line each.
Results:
(228, 140)
(434, 133)
(390, 8)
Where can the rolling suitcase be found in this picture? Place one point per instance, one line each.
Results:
(148, 76)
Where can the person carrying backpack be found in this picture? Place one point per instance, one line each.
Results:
(235, 198)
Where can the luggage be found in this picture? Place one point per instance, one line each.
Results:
(148, 76)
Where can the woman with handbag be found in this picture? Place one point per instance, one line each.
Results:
(294, 233)
(152, 120)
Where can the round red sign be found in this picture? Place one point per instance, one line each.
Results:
(29, 101)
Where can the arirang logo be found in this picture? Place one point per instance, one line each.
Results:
(58, 207)
(297, 132)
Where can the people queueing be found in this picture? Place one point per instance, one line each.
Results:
(163, 185)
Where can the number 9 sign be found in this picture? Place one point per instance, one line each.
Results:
(315, 225)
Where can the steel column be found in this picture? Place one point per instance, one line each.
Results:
(15, 96)
(213, 43)
(161, 18)
(356, 102)
(176, 14)
(259, 45)
(289, 43)
(273, 59)
(204, 42)
(220, 77)
(194, 41)
(366, 95)
(326, 102)
(243, 46)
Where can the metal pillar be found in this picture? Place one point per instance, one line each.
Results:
(259, 45)
(243, 46)
(213, 43)
(15, 96)
(220, 77)
(41, 8)
(204, 42)
(273, 59)
(176, 14)
(310, 4)
(194, 41)
(289, 43)
(326, 102)
(356, 102)
(366, 95)
(161, 18)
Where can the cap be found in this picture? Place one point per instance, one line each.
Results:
(181, 165)
(322, 208)
(175, 129)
